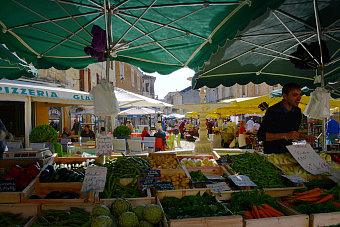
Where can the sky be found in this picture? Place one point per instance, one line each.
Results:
(175, 81)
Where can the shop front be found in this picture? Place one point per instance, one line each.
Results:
(25, 105)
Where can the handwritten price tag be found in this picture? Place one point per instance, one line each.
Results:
(152, 173)
(241, 180)
(295, 178)
(95, 178)
(104, 144)
(218, 187)
(308, 159)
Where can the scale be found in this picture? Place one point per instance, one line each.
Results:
(26, 153)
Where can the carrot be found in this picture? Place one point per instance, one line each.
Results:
(265, 211)
(325, 199)
(262, 214)
(336, 203)
(307, 192)
(273, 209)
(257, 215)
(311, 195)
(311, 199)
(248, 215)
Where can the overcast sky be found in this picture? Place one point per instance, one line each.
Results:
(175, 81)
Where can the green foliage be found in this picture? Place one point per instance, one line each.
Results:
(43, 133)
(58, 148)
(121, 130)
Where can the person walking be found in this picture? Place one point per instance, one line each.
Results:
(332, 130)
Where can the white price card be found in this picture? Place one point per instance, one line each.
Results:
(104, 144)
(95, 178)
(295, 178)
(242, 180)
(218, 187)
(308, 159)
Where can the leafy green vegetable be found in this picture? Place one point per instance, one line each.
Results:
(9, 219)
(198, 176)
(121, 130)
(193, 206)
(324, 184)
(263, 173)
(312, 208)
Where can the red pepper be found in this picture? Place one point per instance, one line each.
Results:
(33, 169)
(24, 180)
(16, 171)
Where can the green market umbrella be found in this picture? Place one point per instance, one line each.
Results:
(161, 36)
(12, 67)
(264, 51)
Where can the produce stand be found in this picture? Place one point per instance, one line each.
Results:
(26, 210)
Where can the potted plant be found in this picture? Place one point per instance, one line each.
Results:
(44, 134)
(122, 132)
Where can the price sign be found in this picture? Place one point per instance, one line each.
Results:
(224, 160)
(214, 177)
(8, 185)
(152, 173)
(104, 144)
(241, 180)
(147, 183)
(218, 187)
(308, 159)
(295, 178)
(164, 185)
(95, 178)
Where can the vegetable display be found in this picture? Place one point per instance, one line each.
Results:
(193, 206)
(73, 217)
(198, 176)
(23, 178)
(315, 200)
(50, 174)
(9, 219)
(124, 167)
(264, 174)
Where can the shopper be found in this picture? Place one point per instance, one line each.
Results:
(128, 124)
(76, 127)
(282, 121)
(332, 130)
(87, 132)
(145, 132)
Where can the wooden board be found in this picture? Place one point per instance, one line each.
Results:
(180, 193)
(133, 201)
(286, 221)
(324, 219)
(222, 221)
(70, 160)
(42, 189)
(67, 206)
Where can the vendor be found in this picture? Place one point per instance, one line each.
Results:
(87, 132)
(67, 134)
(282, 121)
(145, 132)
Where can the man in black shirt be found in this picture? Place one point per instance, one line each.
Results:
(281, 122)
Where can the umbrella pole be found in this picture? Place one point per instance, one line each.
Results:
(322, 67)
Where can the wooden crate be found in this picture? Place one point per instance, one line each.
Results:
(141, 200)
(67, 206)
(292, 219)
(42, 189)
(15, 197)
(324, 219)
(24, 163)
(170, 172)
(69, 160)
(27, 210)
(216, 170)
(220, 221)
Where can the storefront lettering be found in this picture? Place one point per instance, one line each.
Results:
(41, 93)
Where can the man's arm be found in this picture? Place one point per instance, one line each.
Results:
(293, 135)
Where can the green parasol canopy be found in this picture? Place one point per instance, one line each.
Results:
(265, 49)
(12, 67)
(160, 36)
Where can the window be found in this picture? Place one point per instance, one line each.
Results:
(98, 78)
(89, 79)
(81, 80)
(138, 81)
(147, 86)
(256, 89)
(132, 77)
(121, 70)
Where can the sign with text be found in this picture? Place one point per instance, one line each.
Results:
(295, 178)
(242, 180)
(104, 144)
(7, 185)
(147, 183)
(218, 187)
(308, 159)
(164, 185)
(152, 173)
(95, 178)
(213, 177)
